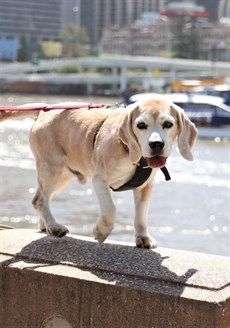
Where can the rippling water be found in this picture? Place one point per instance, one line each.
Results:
(190, 212)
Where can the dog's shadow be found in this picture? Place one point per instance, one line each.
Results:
(122, 265)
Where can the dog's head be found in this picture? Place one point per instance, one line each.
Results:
(150, 127)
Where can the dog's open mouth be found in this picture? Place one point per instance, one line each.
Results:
(156, 161)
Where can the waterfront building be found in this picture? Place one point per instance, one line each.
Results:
(217, 9)
(44, 19)
(112, 24)
(185, 9)
(156, 40)
(34, 21)
(97, 15)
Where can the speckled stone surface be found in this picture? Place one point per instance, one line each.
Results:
(192, 278)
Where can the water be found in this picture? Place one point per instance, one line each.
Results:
(191, 212)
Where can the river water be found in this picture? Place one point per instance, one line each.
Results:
(190, 212)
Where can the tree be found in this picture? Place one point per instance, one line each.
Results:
(75, 40)
(22, 54)
(186, 38)
(29, 48)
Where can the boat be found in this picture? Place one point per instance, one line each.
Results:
(209, 113)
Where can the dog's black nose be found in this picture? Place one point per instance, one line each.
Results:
(156, 146)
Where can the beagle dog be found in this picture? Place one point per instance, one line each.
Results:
(110, 145)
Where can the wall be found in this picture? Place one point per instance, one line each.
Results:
(77, 282)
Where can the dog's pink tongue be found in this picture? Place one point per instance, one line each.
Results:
(156, 161)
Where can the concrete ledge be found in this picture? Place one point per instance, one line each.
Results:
(76, 282)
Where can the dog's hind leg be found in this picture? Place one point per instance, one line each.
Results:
(105, 222)
(49, 183)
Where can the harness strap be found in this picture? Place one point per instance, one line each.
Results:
(166, 173)
(141, 174)
(97, 130)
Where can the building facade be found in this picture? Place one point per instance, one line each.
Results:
(33, 20)
(21, 17)
(218, 9)
(216, 42)
(113, 21)
(97, 15)
(153, 40)
(157, 39)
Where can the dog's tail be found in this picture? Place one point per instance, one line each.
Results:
(29, 110)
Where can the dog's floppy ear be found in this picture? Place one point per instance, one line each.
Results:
(127, 135)
(187, 133)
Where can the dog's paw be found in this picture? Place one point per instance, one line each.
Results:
(145, 242)
(101, 234)
(58, 230)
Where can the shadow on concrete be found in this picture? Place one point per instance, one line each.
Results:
(113, 263)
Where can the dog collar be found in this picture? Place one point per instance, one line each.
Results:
(141, 175)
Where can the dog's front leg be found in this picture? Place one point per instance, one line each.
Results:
(141, 198)
(105, 222)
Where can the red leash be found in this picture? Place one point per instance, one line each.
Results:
(46, 108)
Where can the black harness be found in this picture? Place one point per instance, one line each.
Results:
(142, 173)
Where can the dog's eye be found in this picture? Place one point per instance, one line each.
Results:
(167, 125)
(142, 126)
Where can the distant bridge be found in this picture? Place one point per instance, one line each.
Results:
(170, 68)
(119, 62)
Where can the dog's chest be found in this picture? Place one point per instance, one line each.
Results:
(121, 173)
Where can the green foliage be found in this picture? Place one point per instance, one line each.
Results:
(70, 68)
(29, 48)
(23, 49)
(186, 38)
(75, 41)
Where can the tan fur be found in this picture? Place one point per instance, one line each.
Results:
(105, 144)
